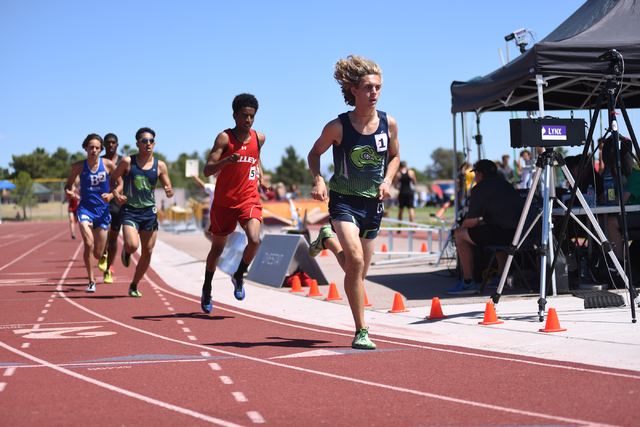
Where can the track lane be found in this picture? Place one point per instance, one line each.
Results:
(406, 381)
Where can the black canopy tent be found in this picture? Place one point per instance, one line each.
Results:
(563, 71)
(568, 60)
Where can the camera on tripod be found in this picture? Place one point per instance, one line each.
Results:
(615, 62)
(547, 132)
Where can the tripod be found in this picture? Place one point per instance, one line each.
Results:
(545, 163)
(611, 91)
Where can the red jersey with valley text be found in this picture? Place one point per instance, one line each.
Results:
(237, 183)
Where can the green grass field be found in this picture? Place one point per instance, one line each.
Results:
(40, 212)
(423, 215)
(57, 212)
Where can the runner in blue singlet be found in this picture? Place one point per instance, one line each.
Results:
(93, 210)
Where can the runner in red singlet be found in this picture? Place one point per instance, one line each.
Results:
(235, 160)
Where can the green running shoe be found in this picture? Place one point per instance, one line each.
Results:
(362, 341)
(317, 245)
(102, 264)
(134, 293)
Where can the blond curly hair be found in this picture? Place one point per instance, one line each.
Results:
(350, 71)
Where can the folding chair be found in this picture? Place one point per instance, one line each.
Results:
(524, 252)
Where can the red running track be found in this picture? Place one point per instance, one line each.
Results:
(104, 359)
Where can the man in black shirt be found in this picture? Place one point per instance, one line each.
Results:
(494, 211)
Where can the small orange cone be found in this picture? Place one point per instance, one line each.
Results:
(490, 317)
(384, 248)
(333, 293)
(295, 285)
(424, 247)
(324, 253)
(553, 325)
(314, 291)
(398, 305)
(436, 310)
(366, 301)
(443, 209)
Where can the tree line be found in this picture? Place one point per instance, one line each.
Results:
(292, 168)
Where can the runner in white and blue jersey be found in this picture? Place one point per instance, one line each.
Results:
(93, 210)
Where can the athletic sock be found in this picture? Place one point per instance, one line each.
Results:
(467, 281)
(242, 268)
(206, 287)
(133, 286)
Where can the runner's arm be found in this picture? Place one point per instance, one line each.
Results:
(163, 176)
(214, 164)
(331, 134)
(393, 156)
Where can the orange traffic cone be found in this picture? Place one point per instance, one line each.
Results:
(436, 310)
(333, 293)
(398, 305)
(314, 291)
(384, 248)
(366, 301)
(324, 253)
(424, 247)
(295, 285)
(490, 317)
(553, 325)
(443, 209)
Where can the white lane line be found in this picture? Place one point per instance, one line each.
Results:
(215, 366)
(40, 319)
(145, 399)
(205, 354)
(32, 250)
(170, 309)
(180, 322)
(330, 375)
(256, 417)
(239, 396)
(47, 305)
(186, 330)
(44, 311)
(226, 380)
(2, 386)
(192, 337)
(9, 371)
(546, 364)
(25, 345)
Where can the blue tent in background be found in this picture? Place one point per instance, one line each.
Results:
(5, 185)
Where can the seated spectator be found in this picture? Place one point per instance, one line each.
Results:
(501, 172)
(589, 177)
(525, 166)
(631, 190)
(293, 192)
(281, 191)
(507, 169)
(494, 211)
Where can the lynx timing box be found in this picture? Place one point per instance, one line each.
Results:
(547, 132)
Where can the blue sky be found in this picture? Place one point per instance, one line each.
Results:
(70, 68)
